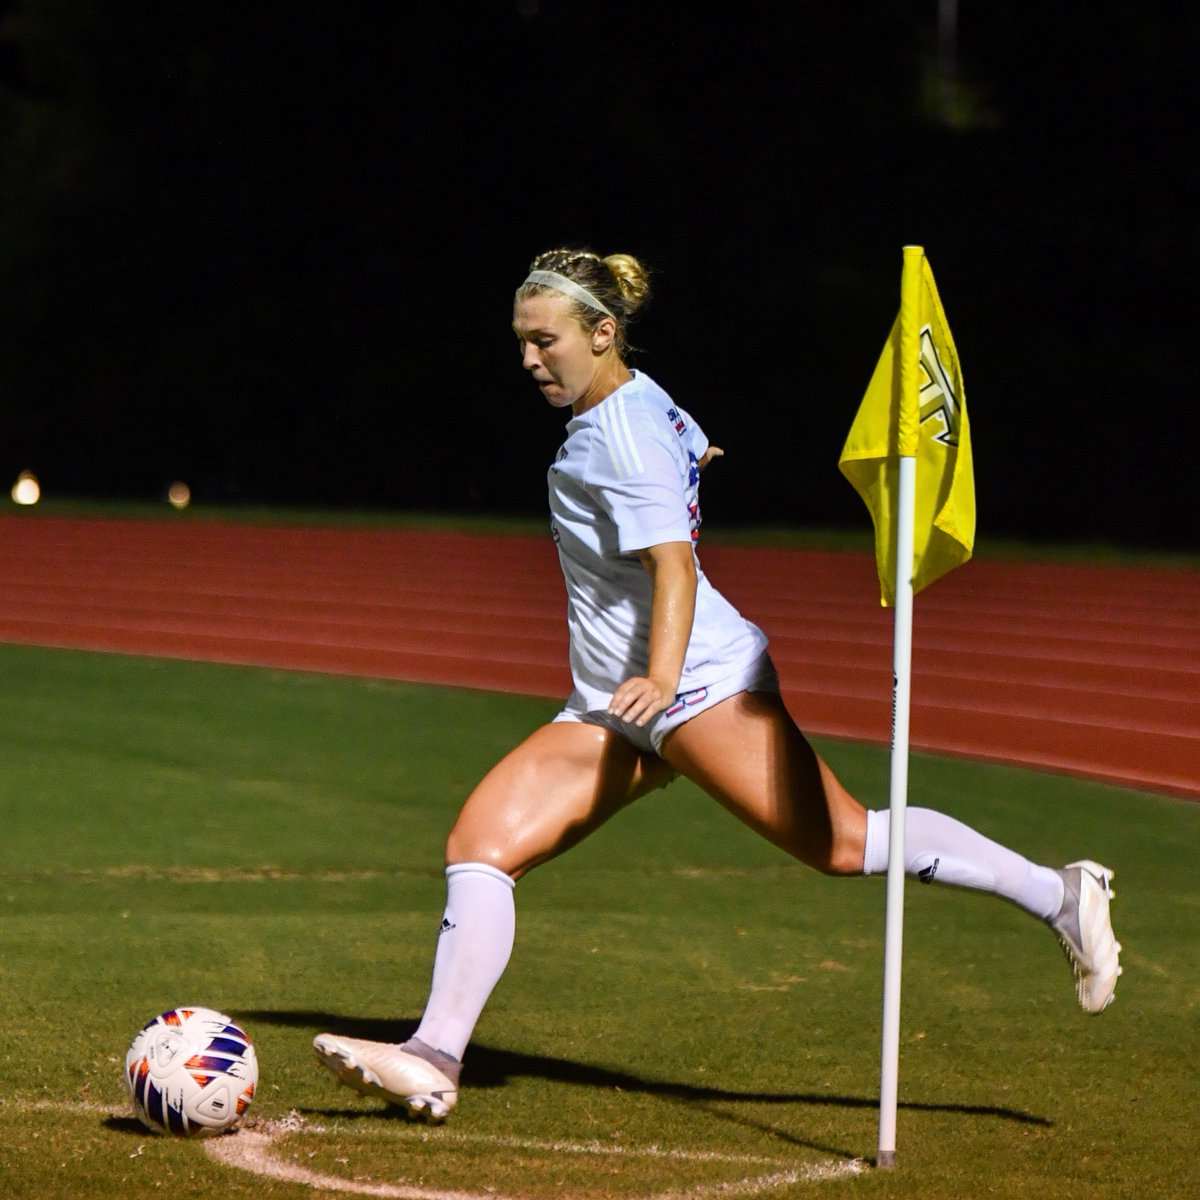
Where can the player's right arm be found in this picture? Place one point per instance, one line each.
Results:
(672, 570)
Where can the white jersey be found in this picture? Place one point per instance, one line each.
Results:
(627, 478)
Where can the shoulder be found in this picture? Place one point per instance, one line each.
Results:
(642, 390)
(641, 405)
(672, 420)
(633, 426)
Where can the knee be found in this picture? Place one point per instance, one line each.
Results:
(844, 858)
(466, 845)
(463, 846)
(843, 853)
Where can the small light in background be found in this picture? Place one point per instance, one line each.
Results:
(26, 490)
(179, 495)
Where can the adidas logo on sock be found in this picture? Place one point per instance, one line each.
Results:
(927, 875)
(446, 926)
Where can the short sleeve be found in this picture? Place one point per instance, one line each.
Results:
(639, 473)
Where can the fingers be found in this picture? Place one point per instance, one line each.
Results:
(638, 699)
(709, 454)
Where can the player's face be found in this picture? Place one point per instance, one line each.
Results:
(555, 349)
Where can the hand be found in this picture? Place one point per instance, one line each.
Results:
(639, 698)
(709, 454)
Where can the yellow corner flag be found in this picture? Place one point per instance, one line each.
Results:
(915, 407)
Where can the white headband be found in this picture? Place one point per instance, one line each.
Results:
(568, 287)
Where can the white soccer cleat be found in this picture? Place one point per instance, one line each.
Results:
(384, 1069)
(1087, 937)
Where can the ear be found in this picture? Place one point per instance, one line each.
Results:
(604, 335)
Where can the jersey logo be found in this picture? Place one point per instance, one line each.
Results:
(676, 420)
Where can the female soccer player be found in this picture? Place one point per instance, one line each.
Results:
(669, 679)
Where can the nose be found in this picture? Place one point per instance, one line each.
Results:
(530, 358)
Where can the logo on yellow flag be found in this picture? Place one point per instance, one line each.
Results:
(915, 406)
(936, 399)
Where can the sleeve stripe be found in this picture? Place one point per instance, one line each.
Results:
(615, 418)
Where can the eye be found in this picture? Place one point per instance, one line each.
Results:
(541, 340)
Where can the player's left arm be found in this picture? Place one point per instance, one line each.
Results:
(672, 570)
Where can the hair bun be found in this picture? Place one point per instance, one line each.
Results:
(632, 278)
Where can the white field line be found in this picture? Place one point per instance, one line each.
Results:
(250, 1150)
(560, 1147)
(65, 1106)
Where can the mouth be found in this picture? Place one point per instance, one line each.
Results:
(553, 393)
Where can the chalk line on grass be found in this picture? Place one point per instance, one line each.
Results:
(65, 1106)
(251, 1150)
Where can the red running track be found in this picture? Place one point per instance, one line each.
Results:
(1087, 670)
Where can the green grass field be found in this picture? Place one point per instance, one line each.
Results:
(687, 1012)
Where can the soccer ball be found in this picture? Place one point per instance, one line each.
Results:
(191, 1071)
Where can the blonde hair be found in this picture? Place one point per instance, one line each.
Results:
(619, 281)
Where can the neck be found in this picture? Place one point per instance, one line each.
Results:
(616, 375)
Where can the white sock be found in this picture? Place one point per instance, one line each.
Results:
(939, 847)
(473, 949)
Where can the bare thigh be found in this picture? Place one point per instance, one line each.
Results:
(564, 781)
(747, 753)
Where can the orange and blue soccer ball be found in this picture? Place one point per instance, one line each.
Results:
(191, 1071)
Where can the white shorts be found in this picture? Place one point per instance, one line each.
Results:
(759, 676)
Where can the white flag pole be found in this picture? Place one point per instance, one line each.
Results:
(897, 803)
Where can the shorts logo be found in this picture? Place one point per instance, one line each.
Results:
(686, 700)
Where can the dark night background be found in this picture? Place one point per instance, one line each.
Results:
(270, 249)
